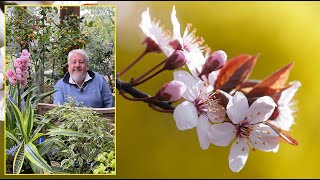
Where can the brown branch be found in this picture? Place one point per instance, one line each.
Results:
(127, 87)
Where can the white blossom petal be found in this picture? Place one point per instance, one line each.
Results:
(237, 108)
(287, 95)
(195, 61)
(222, 134)
(260, 110)
(284, 120)
(264, 138)
(213, 77)
(202, 129)
(185, 115)
(275, 150)
(218, 114)
(238, 155)
(145, 23)
(176, 24)
(154, 31)
(191, 83)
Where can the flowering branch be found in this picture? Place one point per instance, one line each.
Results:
(219, 99)
(127, 87)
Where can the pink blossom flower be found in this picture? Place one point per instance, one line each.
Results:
(18, 71)
(155, 34)
(20, 77)
(10, 73)
(25, 53)
(25, 74)
(188, 42)
(18, 63)
(13, 80)
(199, 109)
(247, 125)
(25, 59)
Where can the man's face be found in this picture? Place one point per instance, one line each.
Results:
(77, 67)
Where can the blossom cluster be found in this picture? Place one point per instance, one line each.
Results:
(21, 73)
(216, 95)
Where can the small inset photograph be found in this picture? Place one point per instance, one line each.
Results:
(59, 85)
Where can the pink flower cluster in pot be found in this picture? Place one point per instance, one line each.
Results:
(21, 72)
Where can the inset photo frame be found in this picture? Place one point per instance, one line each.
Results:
(59, 85)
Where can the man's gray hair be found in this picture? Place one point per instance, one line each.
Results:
(80, 52)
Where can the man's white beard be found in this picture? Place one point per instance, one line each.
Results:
(78, 78)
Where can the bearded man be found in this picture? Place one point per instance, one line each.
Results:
(87, 87)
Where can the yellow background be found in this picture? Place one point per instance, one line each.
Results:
(148, 143)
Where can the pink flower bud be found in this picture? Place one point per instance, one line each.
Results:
(171, 91)
(25, 59)
(10, 73)
(25, 52)
(13, 81)
(176, 60)
(214, 62)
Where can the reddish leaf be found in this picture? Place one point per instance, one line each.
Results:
(272, 84)
(249, 83)
(247, 86)
(236, 71)
(285, 137)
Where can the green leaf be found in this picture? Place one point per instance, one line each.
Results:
(33, 155)
(18, 159)
(48, 143)
(10, 119)
(11, 136)
(45, 147)
(52, 126)
(29, 119)
(44, 121)
(36, 137)
(37, 98)
(36, 169)
(28, 91)
(67, 132)
(19, 120)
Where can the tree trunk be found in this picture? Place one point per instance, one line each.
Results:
(65, 12)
